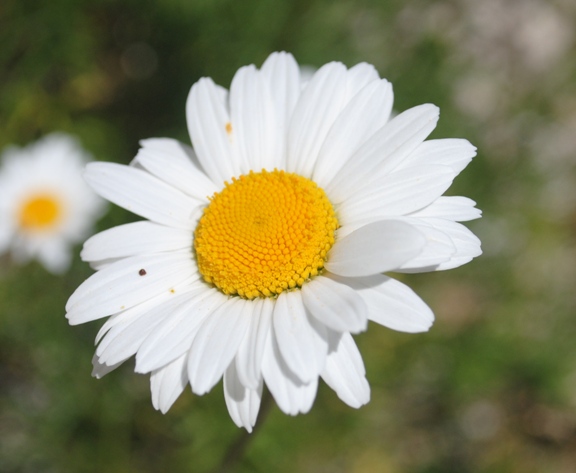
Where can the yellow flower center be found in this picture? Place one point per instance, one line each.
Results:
(40, 212)
(264, 233)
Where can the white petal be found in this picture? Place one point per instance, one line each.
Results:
(453, 152)
(185, 315)
(254, 129)
(316, 111)
(167, 383)
(329, 103)
(251, 350)
(243, 404)
(345, 373)
(176, 164)
(217, 342)
(127, 331)
(292, 395)
(99, 370)
(141, 193)
(121, 286)
(335, 305)
(295, 336)
(111, 322)
(322, 337)
(358, 77)
(133, 239)
(384, 151)
(467, 244)
(125, 338)
(398, 193)
(127, 316)
(391, 303)
(282, 74)
(208, 124)
(439, 248)
(102, 264)
(375, 248)
(459, 209)
(366, 112)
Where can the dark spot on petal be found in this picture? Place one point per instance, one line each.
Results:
(142, 272)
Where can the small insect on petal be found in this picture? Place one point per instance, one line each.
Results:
(142, 272)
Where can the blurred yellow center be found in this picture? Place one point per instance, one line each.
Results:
(264, 233)
(40, 212)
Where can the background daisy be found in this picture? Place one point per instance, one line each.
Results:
(45, 204)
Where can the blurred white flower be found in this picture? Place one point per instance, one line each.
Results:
(45, 204)
(265, 246)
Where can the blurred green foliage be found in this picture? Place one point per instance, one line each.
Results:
(491, 388)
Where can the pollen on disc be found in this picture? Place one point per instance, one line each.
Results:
(264, 233)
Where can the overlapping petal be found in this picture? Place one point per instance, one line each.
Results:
(344, 373)
(365, 113)
(314, 114)
(251, 351)
(253, 128)
(295, 336)
(439, 248)
(456, 153)
(391, 303)
(467, 244)
(398, 193)
(382, 153)
(375, 248)
(121, 285)
(209, 126)
(456, 208)
(243, 404)
(336, 305)
(100, 369)
(167, 383)
(216, 343)
(281, 74)
(125, 338)
(137, 238)
(291, 394)
(142, 194)
(177, 165)
(185, 314)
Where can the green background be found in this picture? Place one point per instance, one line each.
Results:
(491, 387)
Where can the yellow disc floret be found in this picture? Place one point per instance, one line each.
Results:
(264, 233)
(40, 212)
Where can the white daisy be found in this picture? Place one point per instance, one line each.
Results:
(45, 204)
(265, 246)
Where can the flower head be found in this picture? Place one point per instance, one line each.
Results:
(45, 204)
(264, 245)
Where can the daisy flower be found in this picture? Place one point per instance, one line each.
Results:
(265, 245)
(45, 204)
